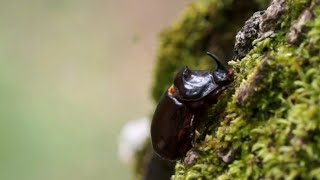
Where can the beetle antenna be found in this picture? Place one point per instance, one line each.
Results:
(217, 60)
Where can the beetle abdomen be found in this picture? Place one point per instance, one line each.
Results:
(172, 132)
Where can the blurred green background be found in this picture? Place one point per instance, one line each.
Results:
(71, 74)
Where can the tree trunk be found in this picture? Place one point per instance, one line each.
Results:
(267, 124)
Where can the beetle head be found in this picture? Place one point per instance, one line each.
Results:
(193, 85)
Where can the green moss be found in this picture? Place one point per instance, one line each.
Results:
(293, 12)
(270, 118)
(272, 121)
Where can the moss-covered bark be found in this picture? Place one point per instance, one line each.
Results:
(268, 123)
(206, 25)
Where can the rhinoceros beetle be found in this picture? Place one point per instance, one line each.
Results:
(183, 106)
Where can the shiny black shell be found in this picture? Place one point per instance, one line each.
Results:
(171, 129)
(182, 107)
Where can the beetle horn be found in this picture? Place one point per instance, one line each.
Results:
(218, 61)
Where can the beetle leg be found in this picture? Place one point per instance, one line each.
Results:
(193, 131)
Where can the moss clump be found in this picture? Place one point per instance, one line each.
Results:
(269, 122)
